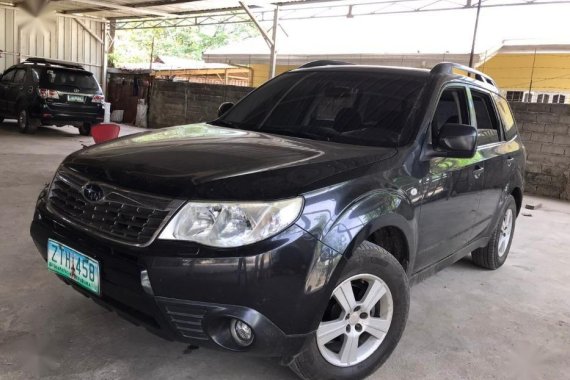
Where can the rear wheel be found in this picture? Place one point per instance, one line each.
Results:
(25, 123)
(363, 322)
(85, 129)
(495, 253)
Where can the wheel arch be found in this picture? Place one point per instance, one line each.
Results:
(518, 195)
(385, 213)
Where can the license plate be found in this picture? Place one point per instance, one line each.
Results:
(76, 266)
(75, 98)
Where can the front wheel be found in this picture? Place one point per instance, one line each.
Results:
(363, 322)
(495, 253)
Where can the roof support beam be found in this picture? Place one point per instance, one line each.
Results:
(257, 24)
(89, 31)
(125, 8)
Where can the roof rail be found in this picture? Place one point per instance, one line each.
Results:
(447, 68)
(49, 62)
(324, 62)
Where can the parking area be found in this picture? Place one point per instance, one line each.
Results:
(465, 323)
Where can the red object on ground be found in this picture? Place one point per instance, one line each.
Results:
(105, 132)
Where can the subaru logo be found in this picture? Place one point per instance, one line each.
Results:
(75, 90)
(93, 193)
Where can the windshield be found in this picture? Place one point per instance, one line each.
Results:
(362, 108)
(68, 78)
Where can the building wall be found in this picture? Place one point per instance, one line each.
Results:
(177, 103)
(513, 72)
(545, 130)
(58, 37)
(260, 72)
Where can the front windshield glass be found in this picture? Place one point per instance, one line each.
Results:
(362, 108)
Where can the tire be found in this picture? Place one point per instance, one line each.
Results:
(373, 263)
(1, 119)
(85, 129)
(495, 253)
(25, 123)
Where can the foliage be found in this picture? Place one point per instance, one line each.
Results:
(134, 46)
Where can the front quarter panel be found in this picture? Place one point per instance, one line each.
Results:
(341, 230)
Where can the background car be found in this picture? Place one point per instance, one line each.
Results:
(46, 92)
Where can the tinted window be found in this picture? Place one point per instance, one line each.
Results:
(364, 108)
(8, 76)
(20, 75)
(451, 109)
(68, 78)
(506, 117)
(487, 123)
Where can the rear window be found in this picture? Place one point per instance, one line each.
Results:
(69, 78)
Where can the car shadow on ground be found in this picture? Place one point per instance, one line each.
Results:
(11, 127)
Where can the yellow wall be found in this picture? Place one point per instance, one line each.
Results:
(510, 71)
(513, 71)
(261, 72)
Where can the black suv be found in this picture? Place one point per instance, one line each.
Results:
(292, 225)
(41, 91)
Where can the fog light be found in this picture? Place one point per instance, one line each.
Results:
(145, 282)
(241, 332)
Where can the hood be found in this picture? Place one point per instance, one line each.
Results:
(201, 161)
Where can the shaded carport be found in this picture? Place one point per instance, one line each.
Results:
(100, 20)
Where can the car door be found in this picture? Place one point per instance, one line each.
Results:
(15, 91)
(450, 190)
(5, 84)
(490, 150)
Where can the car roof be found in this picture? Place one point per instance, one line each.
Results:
(367, 68)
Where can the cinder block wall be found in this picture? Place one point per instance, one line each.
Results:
(177, 103)
(545, 131)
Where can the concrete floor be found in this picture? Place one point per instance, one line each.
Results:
(465, 323)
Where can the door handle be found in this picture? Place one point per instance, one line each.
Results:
(510, 161)
(478, 171)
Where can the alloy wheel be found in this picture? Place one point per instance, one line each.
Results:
(505, 232)
(357, 320)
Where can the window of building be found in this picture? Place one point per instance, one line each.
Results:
(487, 122)
(515, 96)
(559, 99)
(543, 98)
(528, 97)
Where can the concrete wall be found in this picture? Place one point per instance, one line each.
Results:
(545, 131)
(65, 38)
(176, 103)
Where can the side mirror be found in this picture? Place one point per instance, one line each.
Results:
(224, 107)
(456, 140)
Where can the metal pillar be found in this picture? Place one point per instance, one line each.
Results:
(474, 34)
(269, 40)
(273, 59)
(105, 59)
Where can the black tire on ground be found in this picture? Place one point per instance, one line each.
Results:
(370, 259)
(489, 257)
(85, 129)
(25, 123)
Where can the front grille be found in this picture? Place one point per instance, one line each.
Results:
(120, 215)
(186, 318)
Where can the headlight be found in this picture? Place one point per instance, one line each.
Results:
(231, 224)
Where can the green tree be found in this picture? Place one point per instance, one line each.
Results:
(134, 46)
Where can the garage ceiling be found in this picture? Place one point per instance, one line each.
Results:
(291, 9)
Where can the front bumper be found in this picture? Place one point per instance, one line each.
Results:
(196, 290)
